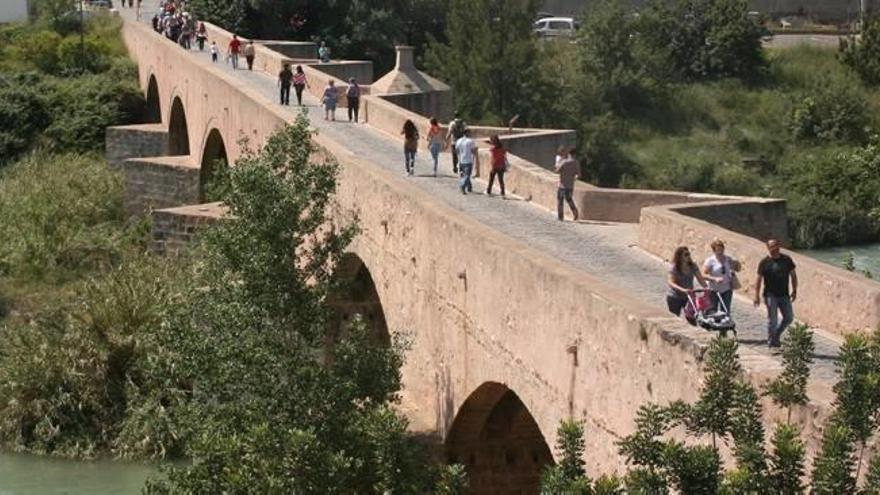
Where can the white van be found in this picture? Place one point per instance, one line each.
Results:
(556, 26)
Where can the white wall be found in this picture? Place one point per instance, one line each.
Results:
(13, 10)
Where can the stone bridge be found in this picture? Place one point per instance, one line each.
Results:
(518, 321)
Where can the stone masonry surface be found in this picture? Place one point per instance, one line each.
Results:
(608, 250)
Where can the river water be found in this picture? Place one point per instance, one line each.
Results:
(22, 474)
(865, 257)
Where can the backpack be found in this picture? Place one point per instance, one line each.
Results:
(458, 128)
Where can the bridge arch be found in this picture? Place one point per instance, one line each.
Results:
(178, 131)
(496, 438)
(213, 156)
(153, 110)
(356, 297)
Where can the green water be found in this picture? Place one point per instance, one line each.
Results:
(31, 475)
(865, 257)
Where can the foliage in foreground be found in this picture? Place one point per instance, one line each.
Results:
(268, 407)
(728, 408)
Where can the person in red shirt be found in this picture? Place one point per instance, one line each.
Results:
(234, 50)
(499, 164)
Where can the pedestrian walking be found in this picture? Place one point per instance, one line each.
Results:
(324, 53)
(233, 51)
(499, 165)
(466, 149)
(410, 145)
(776, 271)
(299, 84)
(567, 168)
(457, 128)
(680, 281)
(214, 51)
(284, 79)
(353, 95)
(331, 94)
(435, 142)
(720, 270)
(250, 52)
(201, 35)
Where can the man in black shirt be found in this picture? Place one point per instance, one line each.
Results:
(284, 79)
(775, 271)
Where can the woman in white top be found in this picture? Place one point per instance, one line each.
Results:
(719, 269)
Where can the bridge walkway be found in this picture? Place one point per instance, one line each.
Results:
(607, 250)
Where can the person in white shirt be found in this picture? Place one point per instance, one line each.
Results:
(719, 269)
(466, 149)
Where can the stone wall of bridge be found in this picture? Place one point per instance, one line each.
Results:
(480, 307)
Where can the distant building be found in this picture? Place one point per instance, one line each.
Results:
(13, 10)
(822, 10)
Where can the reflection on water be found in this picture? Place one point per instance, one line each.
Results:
(22, 474)
(864, 257)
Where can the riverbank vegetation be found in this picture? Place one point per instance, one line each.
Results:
(58, 95)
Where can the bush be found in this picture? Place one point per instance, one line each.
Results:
(58, 212)
(831, 111)
(23, 113)
(65, 376)
(862, 54)
(85, 106)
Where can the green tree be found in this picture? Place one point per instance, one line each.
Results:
(267, 413)
(693, 469)
(747, 431)
(833, 467)
(786, 461)
(861, 53)
(705, 39)
(857, 390)
(872, 478)
(231, 15)
(452, 480)
(711, 414)
(616, 77)
(490, 42)
(790, 387)
(568, 476)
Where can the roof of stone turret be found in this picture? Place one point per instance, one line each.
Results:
(405, 78)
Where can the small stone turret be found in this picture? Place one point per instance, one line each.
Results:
(405, 78)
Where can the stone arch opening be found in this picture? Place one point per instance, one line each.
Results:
(213, 158)
(178, 132)
(496, 438)
(153, 110)
(355, 297)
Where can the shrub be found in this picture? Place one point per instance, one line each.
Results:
(23, 113)
(862, 53)
(831, 111)
(85, 106)
(61, 211)
(64, 376)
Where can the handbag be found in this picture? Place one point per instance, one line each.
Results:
(734, 280)
(506, 164)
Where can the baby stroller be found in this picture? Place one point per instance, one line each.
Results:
(706, 309)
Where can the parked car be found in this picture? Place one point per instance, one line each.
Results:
(556, 26)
